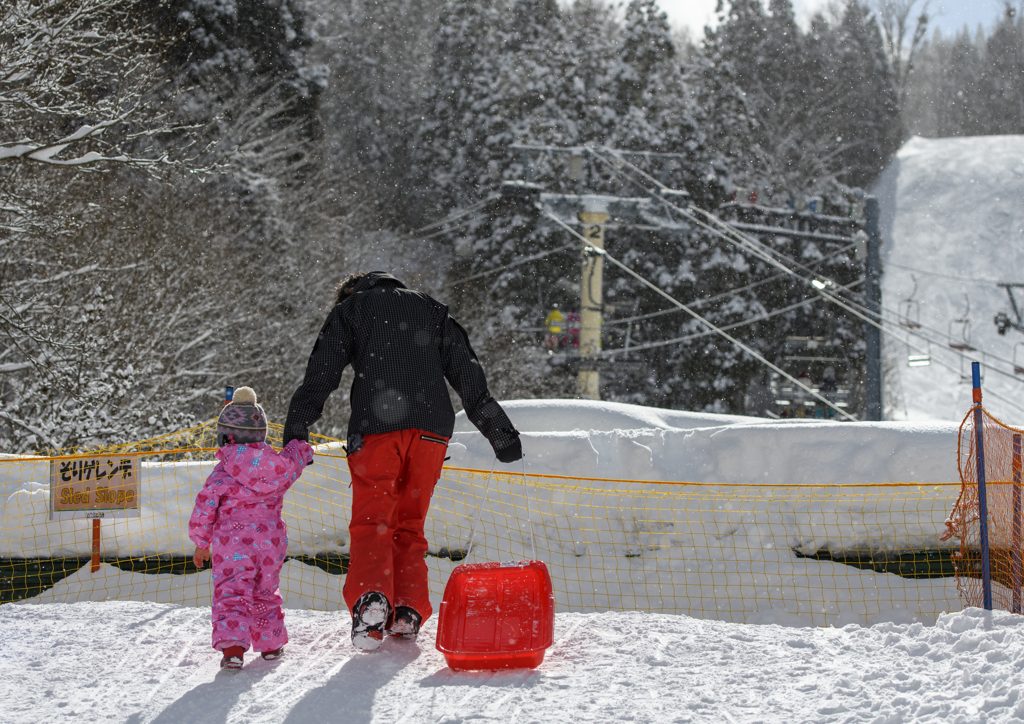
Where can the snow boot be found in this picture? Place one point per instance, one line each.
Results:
(271, 655)
(369, 617)
(232, 657)
(406, 624)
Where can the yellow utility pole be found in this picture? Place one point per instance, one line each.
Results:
(591, 306)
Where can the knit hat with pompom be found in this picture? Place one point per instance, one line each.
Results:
(242, 420)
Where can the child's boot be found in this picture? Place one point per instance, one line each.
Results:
(271, 655)
(232, 657)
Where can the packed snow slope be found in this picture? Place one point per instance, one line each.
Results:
(952, 218)
(143, 663)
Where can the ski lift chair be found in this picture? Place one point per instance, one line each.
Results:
(910, 314)
(920, 360)
(910, 310)
(812, 356)
(962, 341)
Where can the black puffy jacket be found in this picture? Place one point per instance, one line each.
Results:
(403, 345)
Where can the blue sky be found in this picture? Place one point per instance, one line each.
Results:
(948, 15)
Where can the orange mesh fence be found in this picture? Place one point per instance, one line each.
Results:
(782, 553)
(1001, 447)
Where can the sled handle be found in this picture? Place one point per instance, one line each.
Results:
(475, 523)
(533, 538)
(476, 519)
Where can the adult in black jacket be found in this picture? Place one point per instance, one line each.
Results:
(403, 345)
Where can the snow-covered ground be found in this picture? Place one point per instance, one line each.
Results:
(952, 213)
(144, 662)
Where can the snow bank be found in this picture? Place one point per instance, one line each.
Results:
(145, 663)
(611, 440)
(952, 218)
(568, 415)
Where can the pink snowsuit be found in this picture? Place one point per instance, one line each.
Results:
(238, 511)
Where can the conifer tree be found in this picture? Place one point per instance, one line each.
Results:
(455, 159)
(867, 123)
(379, 55)
(960, 97)
(824, 101)
(1002, 83)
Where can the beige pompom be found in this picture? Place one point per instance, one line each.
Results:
(244, 396)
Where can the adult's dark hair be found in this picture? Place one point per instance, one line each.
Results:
(346, 286)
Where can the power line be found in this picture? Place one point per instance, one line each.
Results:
(741, 240)
(580, 150)
(734, 325)
(756, 248)
(941, 343)
(497, 269)
(732, 292)
(446, 230)
(717, 330)
(458, 214)
(943, 276)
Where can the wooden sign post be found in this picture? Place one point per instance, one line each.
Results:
(104, 486)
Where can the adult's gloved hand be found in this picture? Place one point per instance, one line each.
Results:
(511, 453)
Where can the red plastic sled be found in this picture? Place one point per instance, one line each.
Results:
(496, 616)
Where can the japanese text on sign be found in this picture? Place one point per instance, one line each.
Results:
(91, 485)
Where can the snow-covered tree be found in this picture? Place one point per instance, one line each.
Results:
(80, 85)
(868, 120)
(80, 90)
(378, 55)
(1003, 79)
(904, 24)
(970, 83)
(819, 98)
(132, 291)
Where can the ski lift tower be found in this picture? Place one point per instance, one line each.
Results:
(873, 295)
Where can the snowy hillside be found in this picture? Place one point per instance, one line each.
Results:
(952, 213)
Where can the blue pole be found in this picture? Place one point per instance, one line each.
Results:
(873, 301)
(986, 572)
(1016, 523)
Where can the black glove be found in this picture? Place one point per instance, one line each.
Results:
(294, 433)
(511, 453)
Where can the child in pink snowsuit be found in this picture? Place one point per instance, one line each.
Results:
(238, 513)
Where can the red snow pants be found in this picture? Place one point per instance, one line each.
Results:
(393, 477)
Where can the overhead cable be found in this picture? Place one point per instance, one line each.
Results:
(940, 343)
(697, 303)
(734, 325)
(717, 330)
(736, 237)
(458, 214)
(495, 270)
(943, 276)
